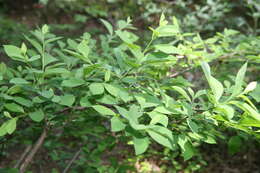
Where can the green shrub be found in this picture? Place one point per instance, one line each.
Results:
(85, 87)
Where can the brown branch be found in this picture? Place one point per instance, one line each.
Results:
(69, 108)
(34, 150)
(180, 72)
(76, 155)
(27, 149)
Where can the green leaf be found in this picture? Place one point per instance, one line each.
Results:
(117, 125)
(227, 110)
(56, 99)
(103, 110)
(47, 93)
(18, 81)
(35, 44)
(14, 107)
(3, 129)
(239, 80)
(84, 49)
(45, 29)
(206, 69)
(162, 110)
(256, 93)
(250, 87)
(123, 35)
(84, 101)
(140, 145)
(48, 59)
(249, 122)
(182, 92)
(108, 26)
(193, 126)
(7, 114)
(112, 90)
(37, 116)
(247, 108)
(167, 48)
(52, 39)
(34, 58)
(13, 52)
(67, 100)
(234, 145)
(11, 125)
(187, 149)
(14, 90)
(167, 30)
(158, 118)
(72, 82)
(216, 87)
(107, 75)
(132, 117)
(55, 71)
(96, 88)
(23, 101)
(163, 136)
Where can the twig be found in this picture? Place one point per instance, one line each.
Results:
(167, 2)
(69, 108)
(180, 72)
(34, 150)
(27, 149)
(76, 155)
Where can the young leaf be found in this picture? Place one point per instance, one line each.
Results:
(83, 48)
(108, 26)
(239, 80)
(11, 125)
(182, 92)
(250, 87)
(216, 87)
(206, 69)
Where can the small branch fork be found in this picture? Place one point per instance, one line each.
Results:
(30, 151)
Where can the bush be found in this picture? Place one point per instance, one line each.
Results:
(81, 89)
